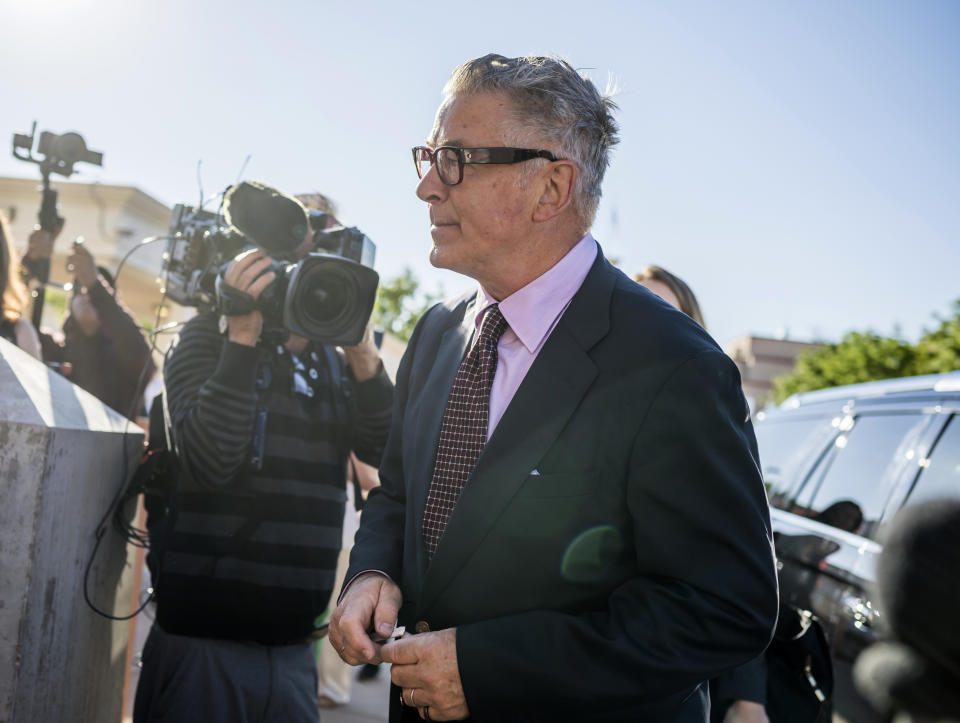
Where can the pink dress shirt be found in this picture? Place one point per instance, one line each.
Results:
(532, 312)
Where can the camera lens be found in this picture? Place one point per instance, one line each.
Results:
(329, 299)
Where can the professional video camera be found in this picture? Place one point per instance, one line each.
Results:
(327, 296)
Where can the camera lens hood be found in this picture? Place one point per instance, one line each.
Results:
(329, 299)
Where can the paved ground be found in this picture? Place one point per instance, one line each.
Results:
(368, 701)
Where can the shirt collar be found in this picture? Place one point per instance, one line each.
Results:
(533, 310)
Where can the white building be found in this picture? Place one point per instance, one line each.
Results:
(761, 360)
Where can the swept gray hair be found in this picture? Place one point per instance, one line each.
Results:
(553, 105)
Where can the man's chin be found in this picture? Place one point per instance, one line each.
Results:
(438, 258)
(443, 254)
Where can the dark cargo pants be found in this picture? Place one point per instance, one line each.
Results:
(188, 679)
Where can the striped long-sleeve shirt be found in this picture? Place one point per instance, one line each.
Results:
(250, 546)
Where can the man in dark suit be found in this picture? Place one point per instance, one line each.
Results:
(571, 523)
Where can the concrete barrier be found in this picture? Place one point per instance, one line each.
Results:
(63, 457)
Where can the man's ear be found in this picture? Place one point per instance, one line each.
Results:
(558, 182)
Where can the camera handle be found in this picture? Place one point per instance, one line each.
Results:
(233, 302)
(50, 221)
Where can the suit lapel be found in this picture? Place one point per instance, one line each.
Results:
(549, 394)
(429, 415)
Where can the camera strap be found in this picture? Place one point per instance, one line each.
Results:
(233, 302)
(342, 399)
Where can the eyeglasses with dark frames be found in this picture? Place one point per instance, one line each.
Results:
(450, 160)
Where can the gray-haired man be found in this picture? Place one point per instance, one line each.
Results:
(571, 524)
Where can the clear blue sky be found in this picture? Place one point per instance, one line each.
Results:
(797, 163)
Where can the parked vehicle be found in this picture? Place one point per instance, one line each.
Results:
(838, 464)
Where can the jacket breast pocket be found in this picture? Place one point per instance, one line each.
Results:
(563, 484)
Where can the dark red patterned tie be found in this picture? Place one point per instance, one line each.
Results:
(463, 432)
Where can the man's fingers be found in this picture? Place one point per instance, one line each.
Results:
(251, 274)
(402, 652)
(388, 608)
(403, 675)
(257, 287)
(352, 626)
(240, 264)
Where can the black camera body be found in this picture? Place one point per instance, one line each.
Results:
(327, 296)
(60, 151)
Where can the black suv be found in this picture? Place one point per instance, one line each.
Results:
(838, 464)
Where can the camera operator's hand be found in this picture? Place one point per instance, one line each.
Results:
(364, 358)
(81, 263)
(39, 245)
(245, 273)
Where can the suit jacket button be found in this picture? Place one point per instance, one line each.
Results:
(421, 627)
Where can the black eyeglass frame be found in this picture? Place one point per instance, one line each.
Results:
(478, 156)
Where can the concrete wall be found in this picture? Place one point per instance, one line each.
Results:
(63, 457)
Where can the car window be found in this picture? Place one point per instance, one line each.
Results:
(786, 447)
(940, 473)
(852, 484)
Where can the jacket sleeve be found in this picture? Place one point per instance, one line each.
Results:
(704, 596)
(374, 399)
(211, 394)
(118, 324)
(379, 542)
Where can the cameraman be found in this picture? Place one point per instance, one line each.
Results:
(244, 558)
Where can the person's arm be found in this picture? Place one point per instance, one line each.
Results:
(370, 597)
(134, 362)
(212, 399)
(39, 247)
(374, 399)
(119, 326)
(211, 382)
(742, 692)
(366, 474)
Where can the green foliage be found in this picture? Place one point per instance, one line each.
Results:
(865, 357)
(399, 305)
(939, 350)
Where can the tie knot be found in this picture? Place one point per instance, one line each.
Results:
(493, 325)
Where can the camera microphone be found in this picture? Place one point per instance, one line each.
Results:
(274, 221)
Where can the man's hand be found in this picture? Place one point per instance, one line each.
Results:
(372, 601)
(746, 711)
(364, 358)
(425, 667)
(245, 273)
(81, 263)
(39, 245)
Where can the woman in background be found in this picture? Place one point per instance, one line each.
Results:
(671, 289)
(13, 298)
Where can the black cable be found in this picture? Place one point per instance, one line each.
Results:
(145, 242)
(132, 534)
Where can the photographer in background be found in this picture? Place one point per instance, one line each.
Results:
(103, 349)
(244, 559)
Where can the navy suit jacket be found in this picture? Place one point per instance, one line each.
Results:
(611, 550)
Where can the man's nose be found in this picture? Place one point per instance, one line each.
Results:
(431, 188)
